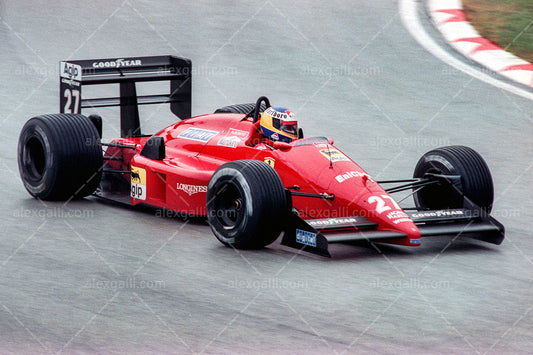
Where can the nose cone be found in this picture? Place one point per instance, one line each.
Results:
(356, 193)
(379, 207)
(398, 220)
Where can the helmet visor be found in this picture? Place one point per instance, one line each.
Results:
(291, 127)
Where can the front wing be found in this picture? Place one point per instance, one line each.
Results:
(315, 235)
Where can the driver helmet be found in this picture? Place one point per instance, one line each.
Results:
(279, 124)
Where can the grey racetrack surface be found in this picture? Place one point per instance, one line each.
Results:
(90, 277)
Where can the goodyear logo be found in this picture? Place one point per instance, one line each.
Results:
(118, 63)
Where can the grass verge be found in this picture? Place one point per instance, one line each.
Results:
(509, 23)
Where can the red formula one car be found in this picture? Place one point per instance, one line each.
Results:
(252, 188)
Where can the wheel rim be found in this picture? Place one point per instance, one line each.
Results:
(35, 158)
(229, 205)
(439, 197)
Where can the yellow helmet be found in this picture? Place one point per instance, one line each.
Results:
(279, 124)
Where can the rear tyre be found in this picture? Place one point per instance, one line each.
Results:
(60, 156)
(241, 108)
(246, 204)
(476, 179)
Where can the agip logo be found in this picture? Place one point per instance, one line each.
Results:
(138, 183)
(333, 154)
(70, 71)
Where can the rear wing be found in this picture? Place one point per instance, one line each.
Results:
(126, 72)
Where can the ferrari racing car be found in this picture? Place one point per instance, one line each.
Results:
(247, 168)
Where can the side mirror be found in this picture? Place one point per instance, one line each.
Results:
(154, 148)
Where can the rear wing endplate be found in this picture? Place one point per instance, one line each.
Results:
(126, 72)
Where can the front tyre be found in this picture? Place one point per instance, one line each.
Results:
(247, 205)
(60, 157)
(476, 179)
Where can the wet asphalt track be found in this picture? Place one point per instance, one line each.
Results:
(88, 277)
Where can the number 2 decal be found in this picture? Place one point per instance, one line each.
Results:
(72, 103)
(381, 204)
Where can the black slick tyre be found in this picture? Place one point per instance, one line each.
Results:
(60, 156)
(240, 108)
(246, 203)
(476, 179)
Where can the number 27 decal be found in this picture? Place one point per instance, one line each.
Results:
(72, 103)
(383, 203)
